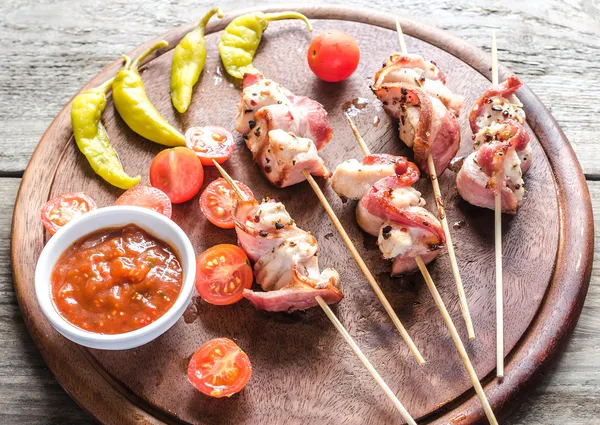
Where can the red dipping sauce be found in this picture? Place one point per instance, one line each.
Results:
(116, 280)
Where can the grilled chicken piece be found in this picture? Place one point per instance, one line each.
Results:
(352, 179)
(284, 132)
(258, 92)
(425, 125)
(512, 134)
(297, 295)
(415, 71)
(473, 184)
(283, 156)
(390, 208)
(285, 259)
(496, 166)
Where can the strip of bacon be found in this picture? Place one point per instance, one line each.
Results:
(390, 208)
(472, 184)
(497, 104)
(393, 211)
(496, 167)
(379, 201)
(295, 296)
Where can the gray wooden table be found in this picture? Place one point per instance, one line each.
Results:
(52, 47)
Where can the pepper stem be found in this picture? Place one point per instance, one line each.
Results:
(204, 21)
(106, 85)
(135, 63)
(288, 15)
(127, 60)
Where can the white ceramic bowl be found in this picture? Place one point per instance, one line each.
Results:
(119, 216)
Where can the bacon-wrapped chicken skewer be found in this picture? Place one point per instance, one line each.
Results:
(392, 205)
(286, 268)
(502, 153)
(492, 176)
(284, 257)
(414, 91)
(390, 209)
(284, 132)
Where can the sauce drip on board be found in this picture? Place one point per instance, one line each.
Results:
(116, 280)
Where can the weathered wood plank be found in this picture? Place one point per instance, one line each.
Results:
(30, 395)
(53, 47)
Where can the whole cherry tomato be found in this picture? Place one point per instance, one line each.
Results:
(333, 55)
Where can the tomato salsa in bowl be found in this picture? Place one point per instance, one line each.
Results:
(116, 278)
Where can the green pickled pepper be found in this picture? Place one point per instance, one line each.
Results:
(92, 139)
(242, 36)
(133, 105)
(188, 61)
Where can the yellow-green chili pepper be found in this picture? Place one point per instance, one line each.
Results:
(188, 62)
(136, 109)
(242, 36)
(92, 139)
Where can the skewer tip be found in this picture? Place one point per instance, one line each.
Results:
(401, 37)
(358, 137)
(494, 59)
(230, 180)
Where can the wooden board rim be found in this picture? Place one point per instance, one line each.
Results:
(565, 294)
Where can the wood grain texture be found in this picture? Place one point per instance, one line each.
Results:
(53, 47)
(440, 15)
(29, 394)
(137, 370)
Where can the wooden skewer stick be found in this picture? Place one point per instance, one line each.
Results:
(401, 37)
(365, 361)
(337, 324)
(462, 352)
(363, 267)
(498, 246)
(464, 306)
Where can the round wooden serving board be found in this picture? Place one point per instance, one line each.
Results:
(304, 373)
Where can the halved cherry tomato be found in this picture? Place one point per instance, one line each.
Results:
(333, 55)
(222, 274)
(178, 172)
(217, 202)
(219, 368)
(61, 209)
(147, 197)
(210, 143)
